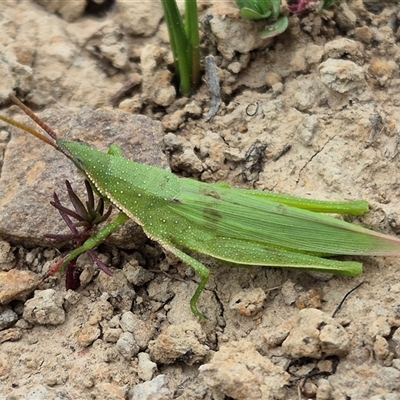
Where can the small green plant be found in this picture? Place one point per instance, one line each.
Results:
(265, 9)
(184, 39)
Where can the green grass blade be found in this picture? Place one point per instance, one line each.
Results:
(180, 45)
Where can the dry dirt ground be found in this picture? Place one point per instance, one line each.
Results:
(312, 112)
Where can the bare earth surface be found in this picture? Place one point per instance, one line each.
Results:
(313, 112)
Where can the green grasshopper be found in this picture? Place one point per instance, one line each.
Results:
(245, 227)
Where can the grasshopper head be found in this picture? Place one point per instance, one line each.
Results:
(79, 153)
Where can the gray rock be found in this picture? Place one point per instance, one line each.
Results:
(45, 308)
(127, 346)
(341, 75)
(239, 371)
(146, 367)
(315, 334)
(180, 342)
(155, 389)
(140, 18)
(7, 318)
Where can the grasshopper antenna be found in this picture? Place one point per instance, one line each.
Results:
(36, 119)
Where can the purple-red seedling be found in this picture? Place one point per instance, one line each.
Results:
(87, 217)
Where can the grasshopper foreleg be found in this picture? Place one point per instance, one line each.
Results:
(97, 238)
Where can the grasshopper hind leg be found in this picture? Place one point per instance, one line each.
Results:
(201, 270)
(252, 253)
(244, 253)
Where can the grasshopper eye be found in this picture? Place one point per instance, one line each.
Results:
(80, 164)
